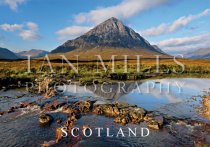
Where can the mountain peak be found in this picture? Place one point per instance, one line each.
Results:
(112, 25)
(110, 33)
(114, 22)
(112, 19)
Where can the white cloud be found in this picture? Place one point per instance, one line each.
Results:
(29, 35)
(176, 25)
(32, 26)
(27, 31)
(185, 43)
(72, 32)
(125, 9)
(11, 27)
(13, 4)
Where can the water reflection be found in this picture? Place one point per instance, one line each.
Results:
(164, 95)
(152, 91)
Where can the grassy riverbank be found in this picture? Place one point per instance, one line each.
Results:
(15, 72)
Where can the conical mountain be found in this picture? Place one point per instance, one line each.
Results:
(113, 34)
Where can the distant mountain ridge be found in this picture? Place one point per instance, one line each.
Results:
(200, 53)
(7, 54)
(34, 53)
(158, 49)
(110, 34)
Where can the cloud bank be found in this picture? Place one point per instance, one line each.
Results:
(13, 4)
(184, 44)
(11, 27)
(27, 31)
(179, 23)
(72, 32)
(123, 10)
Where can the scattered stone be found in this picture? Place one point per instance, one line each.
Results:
(49, 143)
(84, 106)
(137, 115)
(12, 109)
(50, 93)
(1, 113)
(65, 108)
(44, 84)
(148, 117)
(154, 122)
(53, 106)
(181, 122)
(59, 121)
(70, 121)
(45, 119)
(72, 110)
(122, 120)
(58, 135)
(206, 107)
(194, 98)
(49, 107)
(153, 125)
(24, 105)
(159, 120)
(98, 110)
(123, 113)
(106, 109)
(75, 111)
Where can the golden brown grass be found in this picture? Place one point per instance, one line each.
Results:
(37, 63)
(106, 53)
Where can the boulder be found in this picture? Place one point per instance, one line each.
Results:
(131, 113)
(1, 113)
(12, 109)
(24, 104)
(53, 106)
(45, 119)
(154, 121)
(70, 121)
(122, 120)
(58, 135)
(51, 92)
(84, 106)
(98, 109)
(59, 121)
(153, 125)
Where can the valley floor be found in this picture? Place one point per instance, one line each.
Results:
(16, 72)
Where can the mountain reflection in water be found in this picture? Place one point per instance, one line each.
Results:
(173, 101)
(139, 93)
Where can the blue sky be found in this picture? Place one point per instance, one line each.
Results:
(176, 26)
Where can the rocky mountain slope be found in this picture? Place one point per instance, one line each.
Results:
(111, 34)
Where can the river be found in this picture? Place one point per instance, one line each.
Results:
(171, 97)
